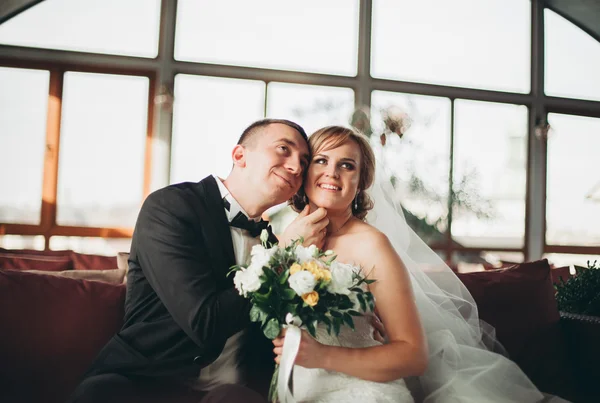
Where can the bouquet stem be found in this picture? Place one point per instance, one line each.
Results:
(273, 395)
(273, 398)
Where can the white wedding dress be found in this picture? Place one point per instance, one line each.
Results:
(317, 385)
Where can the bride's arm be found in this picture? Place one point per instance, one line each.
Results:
(406, 353)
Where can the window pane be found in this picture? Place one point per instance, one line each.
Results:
(573, 199)
(316, 36)
(420, 160)
(565, 259)
(572, 60)
(209, 116)
(22, 242)
(311, 106)
(102, 144)
(99, 26)
(463, 43)
(91, 245)
(490, 158)
(23, 110)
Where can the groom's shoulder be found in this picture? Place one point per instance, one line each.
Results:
(180, 191)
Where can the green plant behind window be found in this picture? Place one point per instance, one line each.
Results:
(581, 293)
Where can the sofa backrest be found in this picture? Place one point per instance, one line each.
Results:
(519, 302)
(52, 328)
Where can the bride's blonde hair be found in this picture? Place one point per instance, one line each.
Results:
(331, 137)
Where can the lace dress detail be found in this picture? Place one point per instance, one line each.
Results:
(317, 385)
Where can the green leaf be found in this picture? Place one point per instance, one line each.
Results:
(336, 325)
(345, 302)
(354, 313)
(262, 298)
(284, 277)
(272, 328)
(291, 308)
(310, 326)
(348, 320)
(288, 294)
(336, 314)
(257, 314)
(270, 275)
(370, 299)
(361, 301)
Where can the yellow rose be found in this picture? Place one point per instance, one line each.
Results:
(314, 269)
(295, 268)
(326, 274)
(311, 298)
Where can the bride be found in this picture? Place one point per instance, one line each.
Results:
(437, 351)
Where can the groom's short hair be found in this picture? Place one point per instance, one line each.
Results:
(257, 127)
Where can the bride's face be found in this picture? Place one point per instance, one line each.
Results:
(333, 177)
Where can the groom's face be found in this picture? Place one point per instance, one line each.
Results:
(276, 159)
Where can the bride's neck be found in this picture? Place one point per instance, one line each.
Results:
(338, 221)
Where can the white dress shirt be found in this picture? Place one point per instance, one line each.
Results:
(226, 368)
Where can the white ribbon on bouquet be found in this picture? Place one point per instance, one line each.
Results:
(291, 344)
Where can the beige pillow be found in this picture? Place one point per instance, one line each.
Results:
(114, 276)
(122, 258)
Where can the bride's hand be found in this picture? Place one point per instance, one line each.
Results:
(310, 352)
(310, 226)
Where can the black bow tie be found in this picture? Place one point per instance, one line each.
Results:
(241, 221)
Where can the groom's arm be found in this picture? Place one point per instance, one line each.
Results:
(174, 259)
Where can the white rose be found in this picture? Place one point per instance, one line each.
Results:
(304, 254)
(302, 282)
(342, 278)
(261, 256)
(237, 281)
(246, 281)
(256, 270)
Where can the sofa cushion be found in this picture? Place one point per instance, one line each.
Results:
(114, 276)
(54, 260)
(519, 303)
(22, 261)
(123, 260)
(83, 261)
(53, 327)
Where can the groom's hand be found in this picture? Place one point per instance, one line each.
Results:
(310, 226)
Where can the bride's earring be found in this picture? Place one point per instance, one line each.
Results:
(356, 202)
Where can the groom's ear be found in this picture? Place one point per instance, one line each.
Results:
(238, 155)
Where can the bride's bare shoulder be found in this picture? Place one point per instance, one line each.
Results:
(370, 236)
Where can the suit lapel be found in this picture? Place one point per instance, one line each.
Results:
(218, 235)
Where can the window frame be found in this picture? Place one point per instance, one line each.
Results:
(162, 70)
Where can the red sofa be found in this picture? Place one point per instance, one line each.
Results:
(53, 326)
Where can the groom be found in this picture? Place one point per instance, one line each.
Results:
(185, 326)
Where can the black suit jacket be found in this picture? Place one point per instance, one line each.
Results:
(180, 306)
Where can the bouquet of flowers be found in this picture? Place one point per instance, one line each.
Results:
(299, 286)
